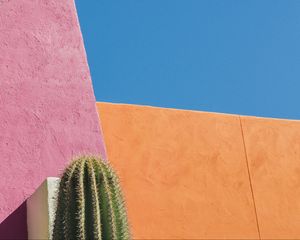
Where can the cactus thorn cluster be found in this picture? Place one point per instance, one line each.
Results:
(90, 203)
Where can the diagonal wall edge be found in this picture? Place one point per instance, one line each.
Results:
(47, 105)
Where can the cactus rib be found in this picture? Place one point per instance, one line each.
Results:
(90, 203)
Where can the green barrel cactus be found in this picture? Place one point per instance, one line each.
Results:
(90, 203)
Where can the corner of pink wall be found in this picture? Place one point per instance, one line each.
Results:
(47, 104)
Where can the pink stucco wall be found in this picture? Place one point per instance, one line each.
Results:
(47, 104)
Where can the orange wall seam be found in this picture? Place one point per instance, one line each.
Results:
(249, 175)
(199, 175)
(184, 173)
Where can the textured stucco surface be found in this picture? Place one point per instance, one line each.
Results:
(47, 105)
(184, 173)
(273, 149)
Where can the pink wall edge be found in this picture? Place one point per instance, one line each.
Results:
(47, 105)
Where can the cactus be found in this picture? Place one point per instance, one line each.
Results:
(90, 203)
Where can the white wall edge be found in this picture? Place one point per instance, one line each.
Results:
(41, 208)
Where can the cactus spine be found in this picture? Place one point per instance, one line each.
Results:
(90, 203)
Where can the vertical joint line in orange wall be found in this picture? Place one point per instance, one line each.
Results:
(248, 169)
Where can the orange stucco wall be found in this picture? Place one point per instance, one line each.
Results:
(273, 150)
(198, 175)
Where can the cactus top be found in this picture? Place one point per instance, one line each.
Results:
(90, 203)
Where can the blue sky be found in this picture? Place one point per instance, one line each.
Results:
(223, 56)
